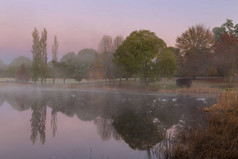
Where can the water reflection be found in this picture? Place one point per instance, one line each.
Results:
(138, 129)
(38, 120)
(141, 121)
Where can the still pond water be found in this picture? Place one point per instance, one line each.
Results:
(54, 124)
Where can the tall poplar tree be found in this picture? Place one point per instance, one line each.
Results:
(36, 52)
(39, 52)
(54, 57)
(43, 45)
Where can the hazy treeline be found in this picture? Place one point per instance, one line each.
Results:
(198, 52)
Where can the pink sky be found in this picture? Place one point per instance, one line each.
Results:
(81, 24)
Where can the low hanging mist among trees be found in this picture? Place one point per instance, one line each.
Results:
(16, 63)
(22, 75)
(198, 52)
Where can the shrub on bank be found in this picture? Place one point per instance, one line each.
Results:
(184, 82)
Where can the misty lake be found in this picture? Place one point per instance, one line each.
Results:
(56, 124)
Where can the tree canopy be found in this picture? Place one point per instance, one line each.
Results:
(195, 48)
(195, 37)
(17, 62)
(137, 53)
(226, 55)
(69, 58)
(166, 63)
(86, 56)
(227, 28)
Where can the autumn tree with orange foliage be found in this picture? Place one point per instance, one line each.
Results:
(195, 50)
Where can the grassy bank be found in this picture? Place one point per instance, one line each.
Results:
(165, 85)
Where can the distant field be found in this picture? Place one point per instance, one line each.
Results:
(200, 85)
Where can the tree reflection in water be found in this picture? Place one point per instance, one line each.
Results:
(138, 130)
(105, 129)
(140, 120)
(38, 121)
(53, 122)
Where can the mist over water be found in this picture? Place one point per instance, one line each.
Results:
(51, 123)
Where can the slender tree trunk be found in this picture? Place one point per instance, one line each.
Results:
(53, 80)
(64, 80)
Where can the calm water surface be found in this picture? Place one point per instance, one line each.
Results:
(47, 124)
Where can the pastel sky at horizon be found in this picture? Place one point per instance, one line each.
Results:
(80, 24)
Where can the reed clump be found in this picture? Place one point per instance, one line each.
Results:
(218, 138)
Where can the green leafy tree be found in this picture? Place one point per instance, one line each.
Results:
(227, 28)
(137, 53)
(166, 64)
(178, 56)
